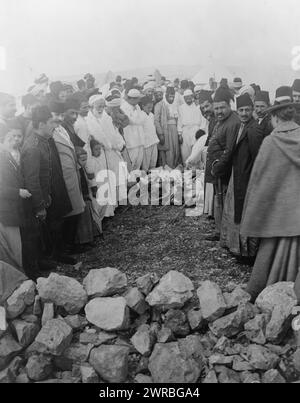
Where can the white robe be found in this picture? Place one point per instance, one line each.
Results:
(190, 120)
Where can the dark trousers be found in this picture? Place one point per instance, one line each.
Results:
(69, 230)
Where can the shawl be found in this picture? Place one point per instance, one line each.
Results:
(272, 204)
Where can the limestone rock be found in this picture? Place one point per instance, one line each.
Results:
(227, 375)
(104, 282)
(236, 297)
(240, 365)
(88, 374)
(146, 283)
(96, 339)
(6, 376)
(20, 299)
(143, 340)
(63, 291)
(55, 337)
(141, 378)
(76, 321)
(230, 325)
(222, 344)
(15, 365)
(211, 299)
(261, 358)
(281, 294)
(164, 335)
(25, 331)
(296, 360)
(3, 323)
(249, 377)
(110, 362)
(39, 367)
(279, 324)
(108, 313)
(173, 291)
(76, 353)
(48, 312)
(176, 321)
(176, 362)
(9, 348)
(195, 319)
(255, 329)
(272, 376)
(219, 359)
(136, 301)
(211, 377)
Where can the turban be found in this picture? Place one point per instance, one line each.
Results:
(237, 83)
(114, 102)
(149, 86)
(94, 98)
(158, 89)
(247, 89)
(197, 88)
(262, 96)
(134, 93)
(188, 93)
(37, 88)
(243, 100)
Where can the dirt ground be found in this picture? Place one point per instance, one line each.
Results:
(143, 239)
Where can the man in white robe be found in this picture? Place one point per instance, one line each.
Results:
(190, 120)
(134, 132)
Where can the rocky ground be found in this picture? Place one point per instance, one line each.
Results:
(139, 240)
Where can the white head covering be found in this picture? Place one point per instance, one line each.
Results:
(188, 93)
(133, 93)
(247, 89)
(197, 88)
(114, 102)
(149, 86)
(95, 98)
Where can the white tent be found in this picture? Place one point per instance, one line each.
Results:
(212, 71)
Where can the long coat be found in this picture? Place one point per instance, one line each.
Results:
(220, 148)
(11, 181)
(69, 166)
(36, 169)
(243, 157)
(60, 202)
(266, 126)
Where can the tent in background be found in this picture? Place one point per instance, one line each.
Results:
(212, 71)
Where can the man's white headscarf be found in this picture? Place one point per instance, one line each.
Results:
(94, 98)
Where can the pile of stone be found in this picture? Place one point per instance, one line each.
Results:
(161, 330)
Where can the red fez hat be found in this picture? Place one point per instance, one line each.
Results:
(243, 100)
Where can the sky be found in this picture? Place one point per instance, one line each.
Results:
(70, 37)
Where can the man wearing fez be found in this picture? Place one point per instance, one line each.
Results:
(72, 108)
(261, 104)
(247, 142)
(296, 99)
(207, 109)
(219, 150)
(36, 168)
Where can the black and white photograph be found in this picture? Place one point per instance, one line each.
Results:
(149, 194)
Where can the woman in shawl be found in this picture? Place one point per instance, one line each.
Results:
(272, 205)
(165, 118)
(102, 129)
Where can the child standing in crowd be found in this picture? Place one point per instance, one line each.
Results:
(96, 166)
(151, 140)
(89, 225)
(11, 194)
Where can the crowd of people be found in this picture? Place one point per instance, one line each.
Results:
(70, 139)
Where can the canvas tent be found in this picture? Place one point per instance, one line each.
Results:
(212, 71)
